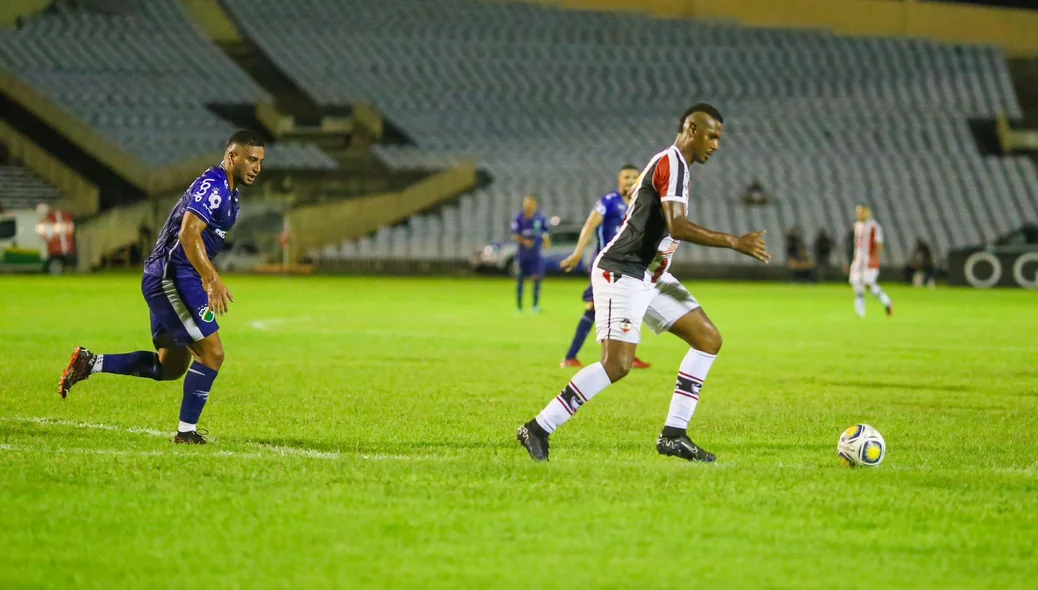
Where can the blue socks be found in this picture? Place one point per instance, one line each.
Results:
(587, 321)
(537, 292)
(136, 364)
(197, 383)
(519, 291)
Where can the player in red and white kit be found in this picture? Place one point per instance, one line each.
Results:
(632, 284)
(868, 244)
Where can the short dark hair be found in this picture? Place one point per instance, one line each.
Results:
(700, 107)
(629, 167)
(245, 138)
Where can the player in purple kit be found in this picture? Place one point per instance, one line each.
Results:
(183, 290)
(530, 231)
(604, 221)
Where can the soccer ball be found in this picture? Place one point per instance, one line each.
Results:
(861, 445)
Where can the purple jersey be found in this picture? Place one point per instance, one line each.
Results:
(211, 199)
(613, 210)
(534, 228)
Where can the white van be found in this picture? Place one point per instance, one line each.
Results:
(40, 240)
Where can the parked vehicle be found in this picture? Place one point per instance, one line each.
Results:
(501, 256)
(40, 240)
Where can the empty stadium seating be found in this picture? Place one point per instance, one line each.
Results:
(21, 189)
(142, 76)
(554, 101)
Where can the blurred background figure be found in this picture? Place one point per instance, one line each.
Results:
(920, 268)
(848, 251)
(798, 258)
(864, 272)
(755, 195)
(530, 231)
(823, 249)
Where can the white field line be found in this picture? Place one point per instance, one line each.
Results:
(265, 325)
(270, 449)
(71, 424)
(126, 453)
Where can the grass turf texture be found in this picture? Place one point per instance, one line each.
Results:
(363, 434)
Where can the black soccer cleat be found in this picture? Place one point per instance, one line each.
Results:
(78, 369)
(683, 448)
(533, 437)
(192, 437)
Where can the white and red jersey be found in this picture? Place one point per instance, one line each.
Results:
(868, 235)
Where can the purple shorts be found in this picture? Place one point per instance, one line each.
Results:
(179, 307)
(532, 266)
(589, 294)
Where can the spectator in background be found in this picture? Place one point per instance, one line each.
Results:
(920, 269)
(798, 259)
(1028, 234)
(823, 250)
(755, 194)
(848, 245)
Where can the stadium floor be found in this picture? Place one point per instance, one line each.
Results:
(363, 437)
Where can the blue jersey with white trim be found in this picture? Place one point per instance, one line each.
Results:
(210, 198)
(613, 209)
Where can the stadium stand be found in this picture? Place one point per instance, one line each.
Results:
(21, 189)
(141, 74)
(553, 101)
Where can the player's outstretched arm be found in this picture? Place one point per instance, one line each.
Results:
(676, 214)
(590, 226)
(191, 239)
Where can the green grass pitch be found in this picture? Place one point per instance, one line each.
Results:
(363, 436)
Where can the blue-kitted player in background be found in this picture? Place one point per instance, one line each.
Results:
(605, 220)
(530, 231)
(183, 290)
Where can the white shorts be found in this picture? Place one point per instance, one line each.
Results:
(862, 276)
(621, 305)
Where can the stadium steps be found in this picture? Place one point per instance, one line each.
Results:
(313, 227)
(13, 10)
(211, 19)
(1024, 73)
(328, 127)
(289, 99)
(20, 188)
(345, 133)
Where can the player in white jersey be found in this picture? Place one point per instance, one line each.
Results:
(868, 244)
(632, 284)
